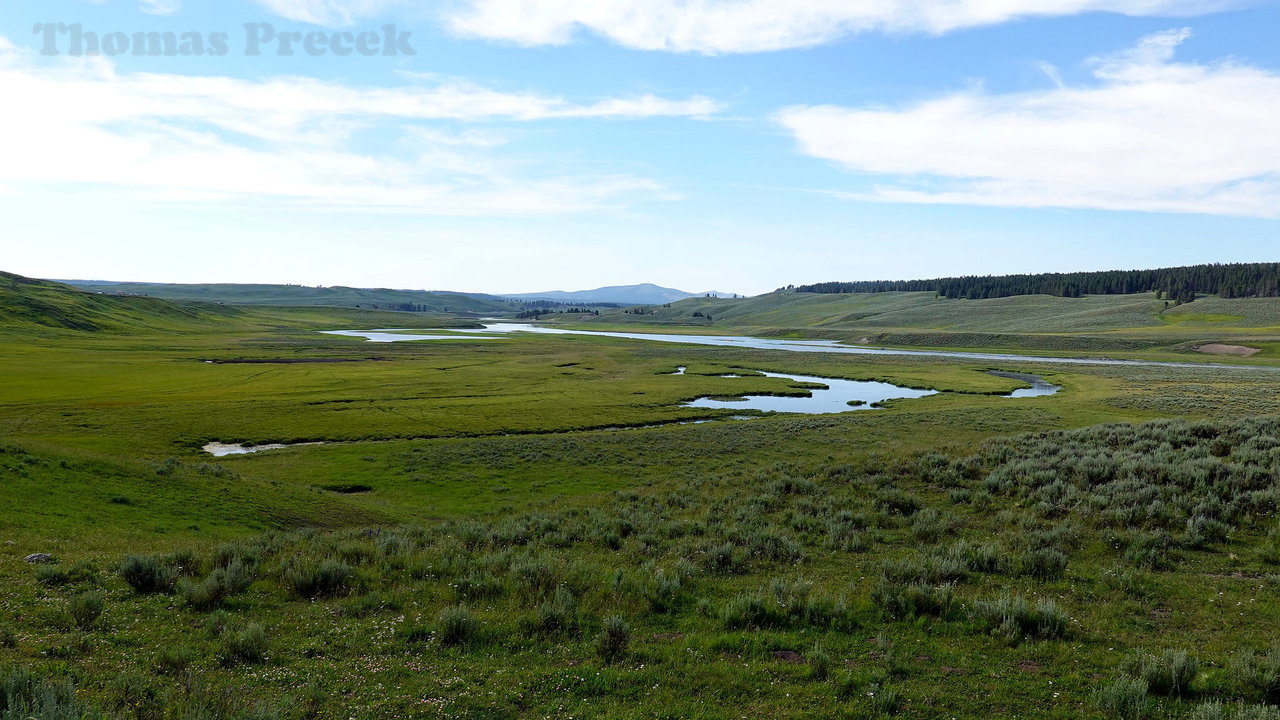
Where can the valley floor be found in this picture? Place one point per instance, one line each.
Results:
(492, 529)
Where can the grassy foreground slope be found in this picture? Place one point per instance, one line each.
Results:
(1114, 572)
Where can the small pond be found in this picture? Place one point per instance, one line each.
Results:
(834, 396)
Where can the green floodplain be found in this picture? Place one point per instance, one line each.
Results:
(521, 528)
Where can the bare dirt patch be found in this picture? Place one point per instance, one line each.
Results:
(1220, 349)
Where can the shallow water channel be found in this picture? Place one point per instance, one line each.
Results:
(492, 330)
(836, 396)
(824, 395)
(828, 395)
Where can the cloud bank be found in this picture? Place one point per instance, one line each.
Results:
(749, 26)
(85, 127)
(1151, 134)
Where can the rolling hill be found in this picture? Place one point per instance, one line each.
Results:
(30, 303)
(303, 295)
(1040, 322)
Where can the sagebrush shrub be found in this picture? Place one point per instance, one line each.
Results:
(220, 584)
(557, 615)
(1016, 619)
(904, 600)
(147, 574)
(534, 576)
(23, 696)
(663, 590)
(928, 525)
(726, 559)
(884, 699)
(613, 640)
(1151, 551)
(56, 575)
(1169, 672)
(1259, 673)
(1123, 699)
(86, 609)
(325, 578)
(1219, 711)
(245, 645)
(175, 659)
(457, 626)
(819, 664)
(1042, 564)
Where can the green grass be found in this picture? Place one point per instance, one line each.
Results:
(504, 615)
(1138, 325)
(492, 529)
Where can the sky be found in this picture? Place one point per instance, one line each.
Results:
(511, 146)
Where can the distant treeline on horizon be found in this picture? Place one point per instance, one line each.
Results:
(1179, 284)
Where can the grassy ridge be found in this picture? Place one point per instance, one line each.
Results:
(299, 295)
(27, 303)
(39, 308)
(1093, 323)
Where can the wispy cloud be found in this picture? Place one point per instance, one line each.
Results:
(160, 7)
(745, 26)
(84, 126)
(1150, 134)
(330, 13)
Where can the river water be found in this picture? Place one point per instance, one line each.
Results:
(490, 331)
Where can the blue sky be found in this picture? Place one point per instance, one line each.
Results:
(736, 145)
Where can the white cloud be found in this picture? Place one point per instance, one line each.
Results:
(737, 26)
(331, 13)
(83, 126)
(1151, 134)
(161, 7)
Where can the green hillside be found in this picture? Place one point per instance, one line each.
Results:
(1184, 284)
(25, 302)
(42, 307)
(300, 295)
(1041, 322)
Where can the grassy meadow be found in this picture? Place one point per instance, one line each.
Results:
(522, 528)
(1137, 325)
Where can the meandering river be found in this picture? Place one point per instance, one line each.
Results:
(829, 395)
(494, 330)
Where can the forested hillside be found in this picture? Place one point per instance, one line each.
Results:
(1179, 284)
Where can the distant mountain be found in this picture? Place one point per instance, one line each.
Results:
(295, 295)
(644, 294)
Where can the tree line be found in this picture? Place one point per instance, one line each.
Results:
(1180, 284)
